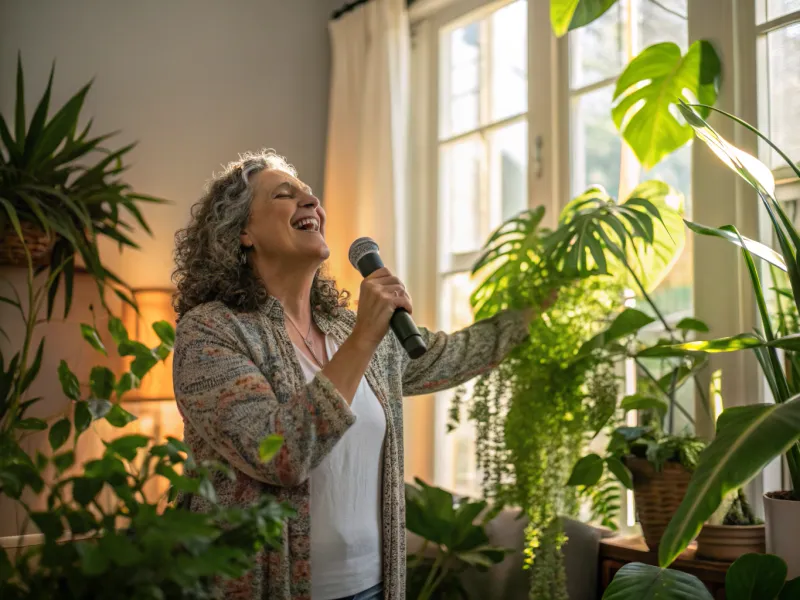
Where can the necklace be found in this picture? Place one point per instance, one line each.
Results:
(306, 338)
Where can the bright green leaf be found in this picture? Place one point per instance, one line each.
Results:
(637, 581)
(118, 416)
(648, 92)
(59, 433)
(756, 248)
(587, 471)
(568, 15)
(747, 439)
(127, 446)
(691, 324)
(117, 330)
(269, 447)
(165, 332)
(755, 577)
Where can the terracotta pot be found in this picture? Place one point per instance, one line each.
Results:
(729, 542)
(782, 516)
(657, 494)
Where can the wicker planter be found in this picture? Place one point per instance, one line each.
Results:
(39, 243)
(729, 542)
(657, 494)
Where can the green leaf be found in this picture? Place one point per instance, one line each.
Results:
(85, 489)
(743, 341)
(791, 591)
(142, 364)
(127, 446)
(83, 417)
(648, 91)
(620, 471)
(568, 15)
(120, 550)
(6, 568)
(94, 560)
(637, 581)
(269, 447)
(747, 439)
(628, 322)
(99, 408)
(64, 460)
(165, 332)
(755, 577)
(117, 330)
(60, 126)
(118, 416)
(127, 382)
(59, 433)
(640, 402)
(33, 371)
(39, 118)
(101, 382)
(49, 523)
(587, 471)
(756, 248)
(32, 424)
(91, 335)
(691, 324)
(80, 521)
(19, 118)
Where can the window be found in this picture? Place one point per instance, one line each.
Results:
(482, 147)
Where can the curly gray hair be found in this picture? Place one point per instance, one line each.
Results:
(208, 250)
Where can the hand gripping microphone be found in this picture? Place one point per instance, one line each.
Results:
(364, 257)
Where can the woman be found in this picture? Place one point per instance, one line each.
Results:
(265, 345)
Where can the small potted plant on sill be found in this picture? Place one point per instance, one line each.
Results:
(732, 532)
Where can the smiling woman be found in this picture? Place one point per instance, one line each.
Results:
(265, 346)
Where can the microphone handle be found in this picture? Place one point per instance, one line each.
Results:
(401, 322)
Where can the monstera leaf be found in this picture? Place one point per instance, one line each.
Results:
(648, 92)
(637, 581)
(566, 15)
(598, 235)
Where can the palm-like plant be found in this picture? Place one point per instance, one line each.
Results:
(47, 180)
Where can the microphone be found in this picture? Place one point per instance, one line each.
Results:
(365, 258)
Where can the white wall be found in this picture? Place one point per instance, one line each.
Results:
(195, 81)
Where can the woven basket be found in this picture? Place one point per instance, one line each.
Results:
(657, 494)
(39, 243)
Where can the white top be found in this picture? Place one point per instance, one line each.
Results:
(346, 553)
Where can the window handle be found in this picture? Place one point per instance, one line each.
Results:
(538, 143)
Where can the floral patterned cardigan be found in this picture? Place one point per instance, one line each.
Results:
(237, 379)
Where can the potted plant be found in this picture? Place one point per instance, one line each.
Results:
(61, 191)
(732, 531)
(749, 437)
(453, 540)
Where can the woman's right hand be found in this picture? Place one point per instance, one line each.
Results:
(381, 293)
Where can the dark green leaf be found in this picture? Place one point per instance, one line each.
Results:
(628, 322)
(85, 489)
(648, 91)
(39, 118)
(41, 461)
(791, 591)
(64, 460)
(640, 402)
(83, 417)
(118, 416)
(32, 424)
(19, 115)
(142, 364)
(94, 560)
(127, 446)
(101, 381)
(6, 568)
(755, 577)
(568, 15)
(99, 408)
(31, 374)
(80, 521)
(747, 439)
(49, 523)
(637, 581)
(120, 550)
(269, 447)
(59, 433)
(127, 382)
(691, 324)
(587, 471)
(620, 471)
(91, 335)
(62, 123)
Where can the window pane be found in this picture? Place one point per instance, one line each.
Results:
(456, 312)
(597, 51)
(461, 98)
(772, 9)
(465, 215)
(783, 64)
(596, 144)
(508, 170)
(662, 21)
(509, 60)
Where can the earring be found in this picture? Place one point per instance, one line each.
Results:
(242, 257)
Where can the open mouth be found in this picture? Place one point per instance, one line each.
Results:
(306, 224)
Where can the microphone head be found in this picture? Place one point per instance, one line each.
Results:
(360, 248)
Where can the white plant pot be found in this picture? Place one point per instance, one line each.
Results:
(783, 531)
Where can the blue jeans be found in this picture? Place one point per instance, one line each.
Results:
(373, 593)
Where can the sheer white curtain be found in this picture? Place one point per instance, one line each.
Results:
(365, 170)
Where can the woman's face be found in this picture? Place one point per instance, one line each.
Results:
(286, 220)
